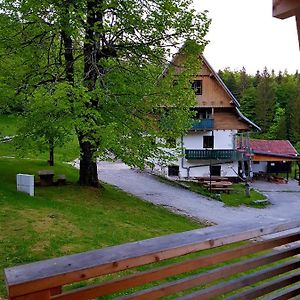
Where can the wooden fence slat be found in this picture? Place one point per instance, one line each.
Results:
(52, 273)
(175, 269)
(41, 295)
(268, 287)
(241, 282)
(209, 276)
(287, 293)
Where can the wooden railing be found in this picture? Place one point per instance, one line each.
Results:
(219, 154)
(261, 264)
(203, 124)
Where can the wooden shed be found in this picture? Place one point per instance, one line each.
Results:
(272, 156)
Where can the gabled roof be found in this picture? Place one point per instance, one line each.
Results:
(273, 147)
(220, 81)
(234, 100)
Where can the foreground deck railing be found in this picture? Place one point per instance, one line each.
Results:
(187, 279)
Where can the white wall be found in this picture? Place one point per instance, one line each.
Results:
(227, 170)
(223, 139)
(261, 167)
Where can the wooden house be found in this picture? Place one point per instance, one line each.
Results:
(209, 146)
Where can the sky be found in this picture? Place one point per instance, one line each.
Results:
(244, 33)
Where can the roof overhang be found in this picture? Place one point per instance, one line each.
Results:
(283, 9)
(268, 156)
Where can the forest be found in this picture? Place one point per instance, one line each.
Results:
(270, 100)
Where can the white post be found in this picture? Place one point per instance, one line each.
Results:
(25, 184)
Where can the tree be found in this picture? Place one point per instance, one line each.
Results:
(47, 123)
(248, 103)
(230, 79)
(110, 52)
(265, 105)
(244, 81)
(278, 128)
(294, 115)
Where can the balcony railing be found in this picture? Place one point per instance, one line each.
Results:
(257, 267)
(203, 124)
(222, 154)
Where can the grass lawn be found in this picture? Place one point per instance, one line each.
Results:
(9, 127)
(62, 220)
(236, 197)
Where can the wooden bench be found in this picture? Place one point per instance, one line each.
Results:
(251, 263)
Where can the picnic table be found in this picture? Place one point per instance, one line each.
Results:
(212, 178)
(46, 177)
(222, 186)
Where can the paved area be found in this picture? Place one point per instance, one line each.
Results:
(285, 198)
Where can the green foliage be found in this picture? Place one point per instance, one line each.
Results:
(271, 101)
(278, 128)
(265, 102)
(48, 121)
(9, 126)
(238, 197)
(109, 55)
(55, 222)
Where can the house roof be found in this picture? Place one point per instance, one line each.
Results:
(273, 147)
(234, 100)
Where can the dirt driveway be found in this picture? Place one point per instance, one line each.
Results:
(285, 198)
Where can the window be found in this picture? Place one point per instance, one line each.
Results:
(173, 170)
(203, 113)
(208, 141)
(197, 87)
(215, 170)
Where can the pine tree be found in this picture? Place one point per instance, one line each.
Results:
(265, 104)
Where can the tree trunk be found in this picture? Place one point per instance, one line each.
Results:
(51, 153)
(88, 166)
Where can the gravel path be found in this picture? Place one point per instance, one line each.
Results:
(286, 205)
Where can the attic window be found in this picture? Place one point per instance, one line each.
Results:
(197, 87)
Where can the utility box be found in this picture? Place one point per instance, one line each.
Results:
(25, 184)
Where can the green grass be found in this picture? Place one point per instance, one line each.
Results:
(236, 197)
(61, 220)
(9, 126)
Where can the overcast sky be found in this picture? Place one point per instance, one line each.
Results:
(244, 33)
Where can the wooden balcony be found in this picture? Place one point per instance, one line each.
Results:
(215, 154)
(238, 267)
(203, 124)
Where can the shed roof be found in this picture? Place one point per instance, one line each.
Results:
(279, 147)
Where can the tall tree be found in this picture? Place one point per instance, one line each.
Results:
(110, 53)
(265, 105)
(294, 108)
